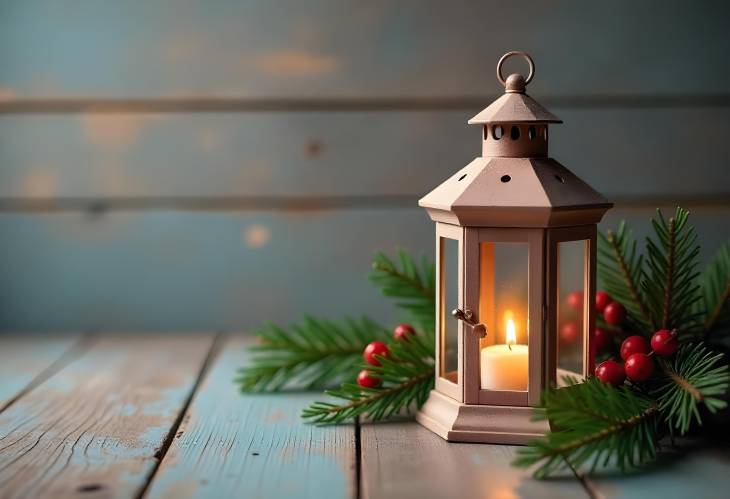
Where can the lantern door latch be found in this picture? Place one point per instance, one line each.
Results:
(467, 316)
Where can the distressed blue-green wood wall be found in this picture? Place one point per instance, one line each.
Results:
(181, 165)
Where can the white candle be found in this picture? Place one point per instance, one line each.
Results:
(504, 367)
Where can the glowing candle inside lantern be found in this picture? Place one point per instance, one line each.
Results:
(504, 367)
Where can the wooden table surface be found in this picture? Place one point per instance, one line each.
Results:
(158, 416)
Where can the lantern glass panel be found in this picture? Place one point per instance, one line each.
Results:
(449, 279)
(571, 313)
(503, 308)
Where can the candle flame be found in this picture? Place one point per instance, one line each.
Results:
(511, 334)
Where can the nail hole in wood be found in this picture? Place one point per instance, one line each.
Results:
(90, 487)
(254, 453)
(505, 178)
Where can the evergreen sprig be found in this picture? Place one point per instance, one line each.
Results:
(694, 376)
(621, 270)
(716, 293)
(670, 286)
(411, 283)
(594, 425)
(316, 353)
(407, 377)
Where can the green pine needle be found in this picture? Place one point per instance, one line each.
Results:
(671, 287)
(412, 284)
(316, 353)
(693, 377)
(595, 425)
(407, 377)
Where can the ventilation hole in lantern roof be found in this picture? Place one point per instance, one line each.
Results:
(515, 132)
(497, 132)
(462, 177)
(531, 134)
(560, 178)
(505, 178)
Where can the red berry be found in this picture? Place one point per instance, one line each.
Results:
(603, 338)
(614, 313)
(633, 344)
(403, 331)
(375, 348)
(570, 332)
(575, 300)
(611, 372)
(602, 299)
(639, 367)
(664, 342)
(367, 380)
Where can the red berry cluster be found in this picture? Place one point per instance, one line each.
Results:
(638, 364)
(375, 349)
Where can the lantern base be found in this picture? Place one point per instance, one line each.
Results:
(489, 424)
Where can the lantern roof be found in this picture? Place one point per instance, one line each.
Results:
(514, 183)
(514, 107)
(515, 192)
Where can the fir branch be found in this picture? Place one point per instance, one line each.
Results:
(620, 267)
(594, 424)
(716, 289)
(695, 376)
(407, 376)
(671, 283)
(313, 354)
(412, 284)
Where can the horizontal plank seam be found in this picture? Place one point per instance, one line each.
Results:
(76, 350)
(345, 104)
(295, 203)
(215, 348)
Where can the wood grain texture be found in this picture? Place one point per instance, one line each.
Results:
(620, 152)
(183, 271)
(403, 460)
(95, 426)
(236, 445)
(703, 473)
(27, 360)
(344, 48)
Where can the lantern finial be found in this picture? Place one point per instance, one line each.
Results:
(515, 83)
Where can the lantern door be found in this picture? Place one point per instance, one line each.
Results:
(449, 296)
(571, 289)
(504, 285)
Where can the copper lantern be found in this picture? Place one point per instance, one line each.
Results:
(516, 261)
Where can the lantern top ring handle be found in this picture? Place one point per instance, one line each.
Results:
(506, 56)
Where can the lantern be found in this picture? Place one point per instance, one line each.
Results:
(516, 261)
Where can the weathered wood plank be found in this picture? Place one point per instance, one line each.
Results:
(206, 271)
(701, 473)
(236, 445)
(404, 460)
(27, 360)
(96, 425)
(335, 48)
(621, 152)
